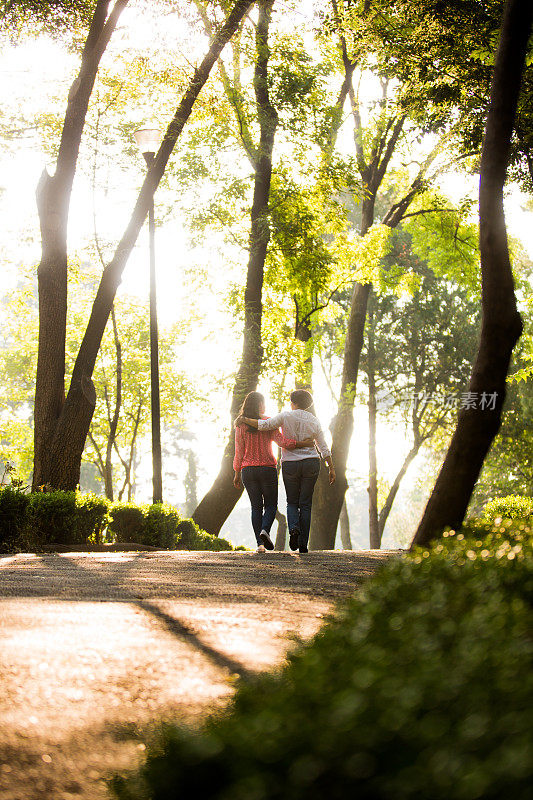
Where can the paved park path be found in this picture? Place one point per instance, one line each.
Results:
(97, 648)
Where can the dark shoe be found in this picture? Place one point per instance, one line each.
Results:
(293, 538)
(267, 541)
(304, 550)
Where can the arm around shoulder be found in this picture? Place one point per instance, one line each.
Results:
(271, 423)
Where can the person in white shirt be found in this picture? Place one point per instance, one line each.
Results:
(300, 467)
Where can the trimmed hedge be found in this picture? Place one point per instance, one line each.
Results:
(194, 538)
(13, 509)
(59, 517)
(31, 521)
(420, 687)
(93, 517)
(154, 525)
(126, 522)
(160, 526)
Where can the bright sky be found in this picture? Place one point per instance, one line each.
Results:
(214, 348)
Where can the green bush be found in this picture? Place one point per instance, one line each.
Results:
(193, 538)
(92, 512)
(188, 531)
(511, 507)
(420, 687)
(13, 509)
(162, 523)
(64, 518)
(160, 526)
(52, 519)
(204, 541)
(154, 525)
(127, 522)
(30, 521)
(497, 533)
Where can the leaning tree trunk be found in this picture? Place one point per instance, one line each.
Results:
(393, 491)
(501, 323)
(65, 431)
(53, 203)
(216, 506)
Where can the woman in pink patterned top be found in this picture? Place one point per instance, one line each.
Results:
(255, 467)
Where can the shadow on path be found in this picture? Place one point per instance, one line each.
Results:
(172, 624)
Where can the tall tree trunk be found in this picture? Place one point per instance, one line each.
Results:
(191, 483)
(501, 323)
(113, 421)
(63, 433)
(328, 500)
(373, 525)
(53, 204)
(344, 524)
(99, 463)
(216, 506)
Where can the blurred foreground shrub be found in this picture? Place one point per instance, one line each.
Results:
(496, 533)
(420, 687)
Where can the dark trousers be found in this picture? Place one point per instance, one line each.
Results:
(261, 483)
(299, 478)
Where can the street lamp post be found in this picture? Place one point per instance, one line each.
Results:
(147, 140)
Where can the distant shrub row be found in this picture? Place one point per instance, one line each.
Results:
(30, 521)
(160, 526)
(420, 687)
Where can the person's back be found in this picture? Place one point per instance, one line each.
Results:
(298, 423)
(301, 466)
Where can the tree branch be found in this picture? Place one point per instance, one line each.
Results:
(233, 93)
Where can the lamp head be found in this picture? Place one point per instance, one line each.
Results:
(148, 141)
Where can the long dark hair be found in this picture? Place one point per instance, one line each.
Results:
(250, 408)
